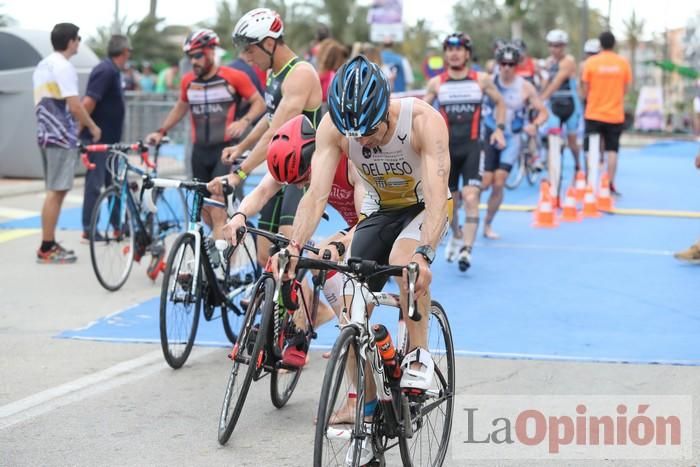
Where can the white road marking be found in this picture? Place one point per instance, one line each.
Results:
(629, 251)
(16, 213)
(88, 386)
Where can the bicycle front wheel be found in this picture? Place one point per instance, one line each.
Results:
(517, 172)
(432, 417)
(180, 301)
(283, 381)
(247, 351)
(338, 421)
(112, 239)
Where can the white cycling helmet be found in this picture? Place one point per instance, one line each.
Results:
(557, 36)
(592, 46)
(256, 25)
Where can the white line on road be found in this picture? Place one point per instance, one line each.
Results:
(16, 213)
(87, 386)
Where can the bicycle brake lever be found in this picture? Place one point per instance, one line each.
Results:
(412, 269)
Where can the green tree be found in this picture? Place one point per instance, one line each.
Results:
(634, 28)
(417, 40)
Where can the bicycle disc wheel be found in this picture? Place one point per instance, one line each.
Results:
(247, 351)
(432, 418)
(337, 417)
(112, 239)
(283, 381)
(180, 302)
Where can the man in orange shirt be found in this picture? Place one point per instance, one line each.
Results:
(606, 79)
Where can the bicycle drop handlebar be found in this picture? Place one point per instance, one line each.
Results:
(139, 147)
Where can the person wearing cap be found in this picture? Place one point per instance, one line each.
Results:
(104, 101)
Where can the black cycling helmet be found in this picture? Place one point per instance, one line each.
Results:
(358, 97)
(457, 39)
(508, 53)
(520, 44)
(497, 44)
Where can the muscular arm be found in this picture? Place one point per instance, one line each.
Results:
(257, 107)
(536, 103)
(324, 161)
(431, 92)
(255, 134)
(254, 202)
(359, 193)
(490, 90)
(296, 89)
(432, 139)
(567, 68)
(180, 110)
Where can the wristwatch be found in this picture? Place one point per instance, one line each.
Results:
(501, 126)
(427, 252)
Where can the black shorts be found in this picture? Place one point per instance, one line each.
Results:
(280, 209)
(467, 161)
(609, 134)
(206, 162)
(375, 236)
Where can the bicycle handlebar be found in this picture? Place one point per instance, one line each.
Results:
(121, 147)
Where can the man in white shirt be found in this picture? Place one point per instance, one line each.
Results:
(56, 103)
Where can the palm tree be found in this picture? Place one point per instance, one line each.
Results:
(634, 28)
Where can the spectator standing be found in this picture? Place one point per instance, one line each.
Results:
(56, 103)
(168, 78)
(606, 79)
(147, 79)
(331, 55)
(104, 101)
(400, 67)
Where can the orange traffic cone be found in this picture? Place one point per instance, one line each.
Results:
(580, 185)
(589, 205)
(605, 202)
(569, 212)
(544, 214)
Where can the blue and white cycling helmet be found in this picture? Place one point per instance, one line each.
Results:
(358, 97)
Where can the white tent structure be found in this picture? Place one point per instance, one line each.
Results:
(22, 50)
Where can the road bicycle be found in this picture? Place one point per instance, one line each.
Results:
(121, 230)
(202, 275)
(269, 326)
(347, 434)
(528, 165)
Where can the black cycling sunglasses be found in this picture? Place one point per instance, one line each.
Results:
(196, 55)
(505, 64)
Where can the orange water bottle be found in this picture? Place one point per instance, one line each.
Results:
(387, 351)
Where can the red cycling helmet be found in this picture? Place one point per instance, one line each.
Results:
(290, 150)
(200, 39)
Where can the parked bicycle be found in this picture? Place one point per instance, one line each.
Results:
(350, 432)
(268, 326)
(201, 273)
(121, 230)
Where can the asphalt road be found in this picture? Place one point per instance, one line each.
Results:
(69, 402)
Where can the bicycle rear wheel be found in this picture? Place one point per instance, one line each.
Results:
(247, 351)
(180, 302)
(432, 418)
(339, 419)
(112, 239)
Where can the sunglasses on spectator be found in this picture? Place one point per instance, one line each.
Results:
(196, 55)
(504, 64)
